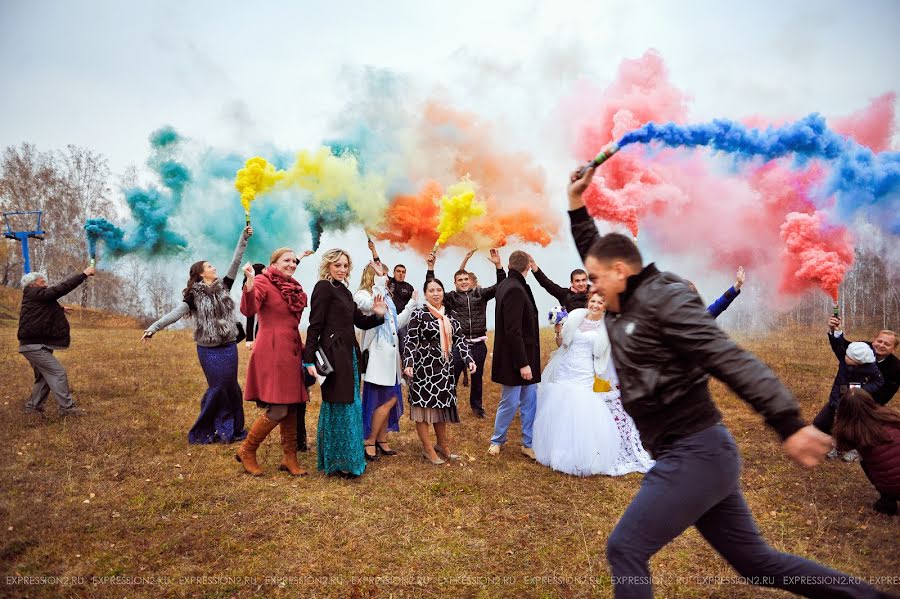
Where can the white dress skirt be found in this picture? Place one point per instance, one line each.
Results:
(579, 431)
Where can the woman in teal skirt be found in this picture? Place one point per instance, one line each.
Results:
(332, 316)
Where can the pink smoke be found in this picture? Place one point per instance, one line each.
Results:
(815, 254)
(769, 218)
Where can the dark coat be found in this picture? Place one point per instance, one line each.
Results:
(332, 316)
(41, 318)
(665, 345)
(882, 464)
(433, 383)
(517, 337)
(867, 376)
(889, 367)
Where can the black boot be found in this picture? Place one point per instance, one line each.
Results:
(301, 428)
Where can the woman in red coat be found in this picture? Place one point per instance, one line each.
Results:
(275, 375)
(874, 431)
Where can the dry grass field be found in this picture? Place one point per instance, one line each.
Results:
(117, 504)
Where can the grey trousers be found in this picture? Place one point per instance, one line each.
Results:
(49, 375)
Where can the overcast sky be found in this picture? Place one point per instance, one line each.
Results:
(234, 74)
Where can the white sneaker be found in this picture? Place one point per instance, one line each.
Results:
(851, 456)
(833, 454)
(494, 449)
(527, 451)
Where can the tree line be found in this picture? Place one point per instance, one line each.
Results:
(75, 184)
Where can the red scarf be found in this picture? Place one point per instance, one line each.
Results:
(290, 290)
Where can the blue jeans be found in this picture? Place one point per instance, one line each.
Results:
(696, 482)
(511, 400)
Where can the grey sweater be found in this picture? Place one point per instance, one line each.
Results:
(183, 309)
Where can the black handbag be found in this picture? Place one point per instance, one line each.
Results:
(241, 334)
(363, 361)
(323, 364)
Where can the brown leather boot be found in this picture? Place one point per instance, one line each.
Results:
(246, 453)
(289, 446)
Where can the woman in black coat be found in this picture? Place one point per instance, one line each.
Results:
(332, 316)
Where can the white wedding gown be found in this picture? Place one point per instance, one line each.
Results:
(578, 431)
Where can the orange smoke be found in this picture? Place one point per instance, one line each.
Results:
(411, 220)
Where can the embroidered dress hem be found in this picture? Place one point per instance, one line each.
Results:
(339, 437)
(221, 418)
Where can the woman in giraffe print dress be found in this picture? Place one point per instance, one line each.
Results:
(428, 361)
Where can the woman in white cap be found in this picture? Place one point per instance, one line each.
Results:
(856, 369)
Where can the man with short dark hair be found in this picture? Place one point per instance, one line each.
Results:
(517, 354)
(43, 328)
(665, 344)
(468, 304)
(572, 298)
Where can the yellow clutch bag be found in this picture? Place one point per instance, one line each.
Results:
(601, 386)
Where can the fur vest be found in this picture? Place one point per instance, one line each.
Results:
(213, 311)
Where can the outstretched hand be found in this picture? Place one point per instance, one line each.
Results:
(807, 446)
(578, 185)
(379, 306)
(494, 257)
(306, 254)
(739, 279)
(533, 265)
(147, 337)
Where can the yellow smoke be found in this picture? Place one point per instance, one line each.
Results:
(257, 176)
(458, 207)
(331, 179)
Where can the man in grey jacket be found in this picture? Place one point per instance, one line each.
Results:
(665, 345)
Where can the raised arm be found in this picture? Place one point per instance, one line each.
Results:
(54, 292)
(549, 286)
(490, 292)
(584, 231)
(404, 316)
(465, 260)
(236, 258)
(721, 304)
(254, 294)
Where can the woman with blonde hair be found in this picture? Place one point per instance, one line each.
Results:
(333, 314)
(382, 402)
(275, 373)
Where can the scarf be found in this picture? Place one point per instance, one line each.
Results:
(290, 290)
(446, 328)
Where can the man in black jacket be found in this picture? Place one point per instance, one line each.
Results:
(43, 327)
(572, 298)
(468, 304)
(665, 345)
(517, 354)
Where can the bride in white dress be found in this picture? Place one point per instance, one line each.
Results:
(580, 426)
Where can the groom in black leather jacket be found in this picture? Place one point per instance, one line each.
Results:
(665, 345)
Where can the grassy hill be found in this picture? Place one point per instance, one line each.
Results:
(121, 503)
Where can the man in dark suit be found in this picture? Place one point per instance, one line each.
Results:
(517, 354)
